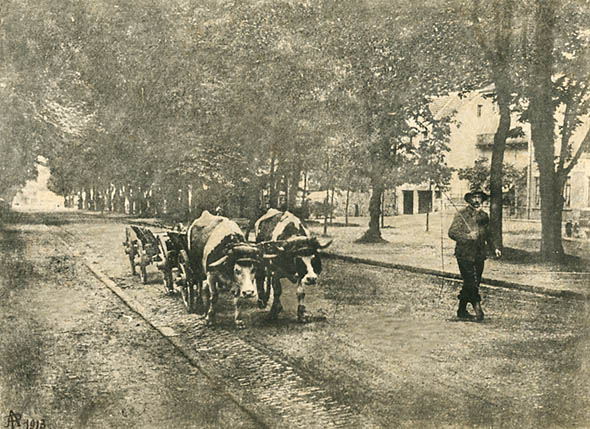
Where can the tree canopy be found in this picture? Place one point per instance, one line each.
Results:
(192, 104)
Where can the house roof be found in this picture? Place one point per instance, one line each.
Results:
(450, 104)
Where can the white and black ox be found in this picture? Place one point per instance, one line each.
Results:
(219, 254)
(291, 253)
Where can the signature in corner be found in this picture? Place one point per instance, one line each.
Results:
(15, 420)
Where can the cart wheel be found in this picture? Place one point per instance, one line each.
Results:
(166, 267)
(187, 289)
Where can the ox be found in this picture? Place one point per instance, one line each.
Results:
(220, 255)
(291, 253)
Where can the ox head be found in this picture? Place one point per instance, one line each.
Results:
(298, 258)
(237, 267)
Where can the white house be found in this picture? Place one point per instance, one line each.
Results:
(475, 120)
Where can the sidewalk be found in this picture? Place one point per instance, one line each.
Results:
(409, 246)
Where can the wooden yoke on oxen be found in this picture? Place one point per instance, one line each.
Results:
(238, 252)
(302, 246)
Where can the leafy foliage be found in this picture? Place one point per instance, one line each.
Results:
(478, 176)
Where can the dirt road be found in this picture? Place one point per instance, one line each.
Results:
(72, 355)
(383, 350)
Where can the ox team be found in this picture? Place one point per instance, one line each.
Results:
(220, 255)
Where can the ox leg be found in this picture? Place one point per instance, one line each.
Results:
(260, 276)
(213, 294)
(199, 290)
(238, 313)
(277, 290)
(302, 315)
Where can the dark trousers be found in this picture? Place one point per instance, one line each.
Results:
(471, 272)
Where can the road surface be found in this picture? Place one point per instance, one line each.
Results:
(85, 344)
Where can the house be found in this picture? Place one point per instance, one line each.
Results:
(475, 120)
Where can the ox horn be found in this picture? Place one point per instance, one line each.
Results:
(324, 245)
(216, 264)
(272, 246)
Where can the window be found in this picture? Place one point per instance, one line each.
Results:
(479, 106)
(537, 192)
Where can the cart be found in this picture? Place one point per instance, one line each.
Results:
(177, 270)
(140, 242)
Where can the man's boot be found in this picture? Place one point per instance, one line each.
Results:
(478, 311)
(462, 312)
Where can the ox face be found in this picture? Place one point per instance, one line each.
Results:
(238, 276)
(308, 268)
(244, 285)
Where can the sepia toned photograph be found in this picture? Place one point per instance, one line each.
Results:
(294, 214)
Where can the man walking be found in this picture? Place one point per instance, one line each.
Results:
(470, 230)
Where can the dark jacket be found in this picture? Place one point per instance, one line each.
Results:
(466, 220)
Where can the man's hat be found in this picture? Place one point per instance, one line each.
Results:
(468, 195)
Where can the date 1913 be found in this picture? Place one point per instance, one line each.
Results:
(15, 420)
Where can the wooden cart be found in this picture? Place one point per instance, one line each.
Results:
(141, 246)
(176, 268)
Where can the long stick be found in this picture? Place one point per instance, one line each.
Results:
(442, 256)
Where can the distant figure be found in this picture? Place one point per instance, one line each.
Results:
(576, 229)
(470, 230)
(219, 211)
(569, 227)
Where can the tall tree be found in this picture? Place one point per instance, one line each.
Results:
(559, 41)
(499, 54)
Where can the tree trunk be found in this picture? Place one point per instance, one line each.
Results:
(293, 187)
(347, 204)
(304, 205)
(116, 198)
(273, 191)
(542, 129)
(108, 192)
(326, 201)
(497, 163)
(382, 209)
(120, 199)
(373, 234)
(429, 208)
(87, 198)
(127, 200)
(332, 208)
(285, 189)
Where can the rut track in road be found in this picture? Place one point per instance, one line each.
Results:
(273, 391)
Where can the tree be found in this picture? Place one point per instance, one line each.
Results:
(537, 56)
(479, 176)
(499, 52)
(558, 68)
(385, 89)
